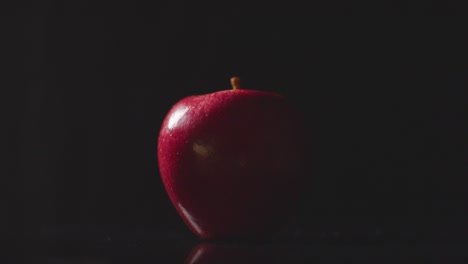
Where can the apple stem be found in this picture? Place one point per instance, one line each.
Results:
(235, 83)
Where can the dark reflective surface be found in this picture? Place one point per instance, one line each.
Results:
(308, 253)
(239, 253)
(158, 246)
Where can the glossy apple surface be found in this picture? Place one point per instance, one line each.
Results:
(232, 162)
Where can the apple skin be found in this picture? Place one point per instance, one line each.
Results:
(233, 162)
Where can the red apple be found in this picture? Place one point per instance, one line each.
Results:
(232, 162)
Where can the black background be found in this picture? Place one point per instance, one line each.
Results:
(86, 85)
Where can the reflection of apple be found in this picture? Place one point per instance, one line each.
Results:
(232, 162)
(206, 253)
